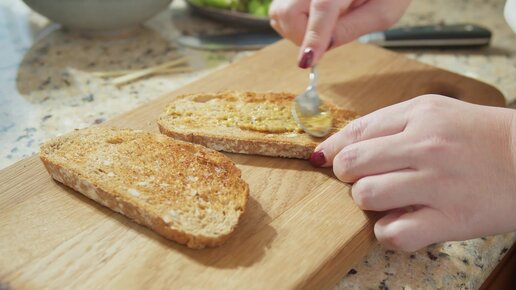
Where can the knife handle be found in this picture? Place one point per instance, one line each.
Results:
(434, 36)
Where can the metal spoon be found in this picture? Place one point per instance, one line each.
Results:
(308, 112)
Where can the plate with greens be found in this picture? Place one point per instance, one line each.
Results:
(251, 13)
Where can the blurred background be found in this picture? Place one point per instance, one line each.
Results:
(56, 77)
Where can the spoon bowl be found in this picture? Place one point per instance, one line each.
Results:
(308, 111)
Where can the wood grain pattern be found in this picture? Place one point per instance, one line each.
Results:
(301, 228)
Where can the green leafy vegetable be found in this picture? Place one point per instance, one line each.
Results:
(254, 7)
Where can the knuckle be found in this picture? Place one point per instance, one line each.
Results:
(344, 163)
(279, 12)
(428, 101)
(393, 237)
(427, 107)
(313, 39)
(274, 13)
(345, 33)
(347, 158)
(425, 104)
(323, 5)
(355, 130)
(274, 24)
(458, 216)
(363, 194)
(433, 145)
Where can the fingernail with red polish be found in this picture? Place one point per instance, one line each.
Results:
(307, 58)
(317, 159)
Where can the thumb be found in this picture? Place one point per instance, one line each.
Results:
(321, 23)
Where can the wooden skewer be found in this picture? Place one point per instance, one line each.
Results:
(123, 80)
(110, 74)
(118, 73)
(144, 72)
(175, 70)
(124, 77)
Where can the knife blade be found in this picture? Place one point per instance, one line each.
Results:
(440, 36)
(232, 41)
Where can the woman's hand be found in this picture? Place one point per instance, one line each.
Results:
(317, 25)
(451, 163)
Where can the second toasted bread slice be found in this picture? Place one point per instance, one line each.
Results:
(244, 122)
(185, 192)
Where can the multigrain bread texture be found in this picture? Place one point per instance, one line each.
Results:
(244, 122)
(185, 192)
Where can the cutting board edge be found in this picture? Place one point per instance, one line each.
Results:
(322, 280)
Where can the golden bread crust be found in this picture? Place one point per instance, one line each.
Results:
(196, 201)
(193, 118)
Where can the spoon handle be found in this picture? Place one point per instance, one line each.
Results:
(313, 77)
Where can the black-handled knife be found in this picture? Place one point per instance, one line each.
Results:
(460, 35)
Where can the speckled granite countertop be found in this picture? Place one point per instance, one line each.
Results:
(48, 87)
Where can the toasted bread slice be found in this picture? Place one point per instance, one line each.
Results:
(244, 122)
(185, 192)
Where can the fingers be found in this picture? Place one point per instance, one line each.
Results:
(411, 231)
(371, 16)
(392, 190)
(372, 157)
(321, 23)
(331, 22)
(386, 121)
(290, 18)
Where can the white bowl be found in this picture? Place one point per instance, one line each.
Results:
(98, 15)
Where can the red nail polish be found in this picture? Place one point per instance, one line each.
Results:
(307, 58)
(317, 159)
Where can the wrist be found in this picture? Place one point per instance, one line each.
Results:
(512, 138)
(512, 144)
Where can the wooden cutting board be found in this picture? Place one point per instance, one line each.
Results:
(301, 229)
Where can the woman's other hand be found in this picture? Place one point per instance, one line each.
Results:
(317, 25)
(451, 163)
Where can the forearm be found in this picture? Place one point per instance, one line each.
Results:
(512, 139)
